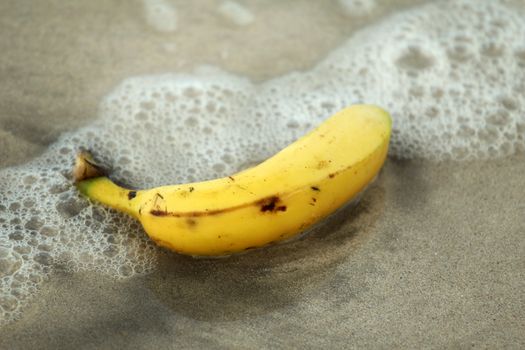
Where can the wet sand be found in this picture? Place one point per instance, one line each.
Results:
(433, 256)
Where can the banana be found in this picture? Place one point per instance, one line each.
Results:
(270, 202)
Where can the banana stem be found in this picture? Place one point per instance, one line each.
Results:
(90, 182)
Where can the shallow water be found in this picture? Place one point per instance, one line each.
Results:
(433, 255)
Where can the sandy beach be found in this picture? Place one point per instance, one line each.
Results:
(432, 257)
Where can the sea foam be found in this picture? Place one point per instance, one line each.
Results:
(452, 74)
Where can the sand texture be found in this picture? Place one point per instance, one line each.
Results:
(433, 256)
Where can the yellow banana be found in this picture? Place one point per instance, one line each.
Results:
(270, 202)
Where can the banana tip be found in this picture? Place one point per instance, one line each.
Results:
(86, 167)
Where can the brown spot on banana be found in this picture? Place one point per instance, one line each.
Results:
(271, 205)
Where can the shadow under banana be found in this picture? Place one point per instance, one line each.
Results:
(267, 279)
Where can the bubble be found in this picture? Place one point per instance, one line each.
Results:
(29, 179)
(70, 207)
(520, 55)
(16, 236)
(414, 59)
(500, 118)
(492, 50)
(34, 223)
(8, 303)
(14, 206)
(191, 122)
(509, 103)
(227, 158)
(126, 270)
(219, 167)
(292, 124)
(10, 262)
(43, 259)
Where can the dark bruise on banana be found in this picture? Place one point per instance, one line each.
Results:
(270, 202)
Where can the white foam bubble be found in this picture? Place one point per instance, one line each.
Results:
(236, 13)
(450, 73)
(161, 15)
